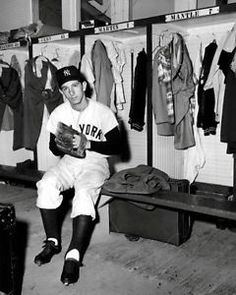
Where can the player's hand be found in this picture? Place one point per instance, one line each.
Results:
(76, 141)
(58, 141)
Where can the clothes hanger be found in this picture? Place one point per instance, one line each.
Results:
(56, 58)
(214, 38)
(41, 55)
(159, 43)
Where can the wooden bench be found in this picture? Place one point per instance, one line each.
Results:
(204, 203)
(208, 204)
(22, 176)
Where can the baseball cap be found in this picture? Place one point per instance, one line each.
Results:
(68, 73)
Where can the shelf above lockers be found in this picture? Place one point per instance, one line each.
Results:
(181, 21)
(207, 18)
(196, 17)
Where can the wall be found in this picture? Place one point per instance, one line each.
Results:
(144, 9)
(13, 15)
(50, 12)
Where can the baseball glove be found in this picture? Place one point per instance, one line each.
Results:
(64, 140)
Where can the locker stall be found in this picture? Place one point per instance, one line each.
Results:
(60, 53)
(14, 54)
(212, 164)
(128, 44)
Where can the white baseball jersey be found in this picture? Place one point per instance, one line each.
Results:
(94, 121)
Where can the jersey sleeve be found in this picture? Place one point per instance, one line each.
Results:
(52, 122)
(109, 121)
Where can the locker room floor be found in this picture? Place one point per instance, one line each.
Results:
(204, 265)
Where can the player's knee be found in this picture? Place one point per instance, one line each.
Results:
(83, 206)
(47, 180)
(48, 194)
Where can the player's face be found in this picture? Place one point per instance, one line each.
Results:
(74, 91)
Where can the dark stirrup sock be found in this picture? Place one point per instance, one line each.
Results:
(81, 230)
(50, 223)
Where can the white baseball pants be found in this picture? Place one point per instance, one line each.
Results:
(85, 175)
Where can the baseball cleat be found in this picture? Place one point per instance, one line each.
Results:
(50, 249)
(70, 272)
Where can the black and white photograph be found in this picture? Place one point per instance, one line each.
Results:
(117, 147)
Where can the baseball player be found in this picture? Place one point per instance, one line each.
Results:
(84, 133)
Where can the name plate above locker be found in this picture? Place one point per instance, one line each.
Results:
(10, 45)
(53, 38)
(192, 14)
(114, 27)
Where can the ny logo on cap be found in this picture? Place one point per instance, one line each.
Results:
(66, 72)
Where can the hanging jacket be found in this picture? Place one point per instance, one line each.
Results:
(11, 95)
(86, 68)
(8, 119)
(117, 58)
(103, 75)
(162, 95)
(182, 86)
(183, 91)
(138, 98)
(36, 96)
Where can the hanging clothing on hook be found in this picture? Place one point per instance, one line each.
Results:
(7, 120)
(16, 65)
(228, 132)
(102, 69)
(216, 77)
(41, 90)
(206, 118)
(117, 57)
(182, 91)
(11, 95)
(138, 95)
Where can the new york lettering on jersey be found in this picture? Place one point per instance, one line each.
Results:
(91, 130)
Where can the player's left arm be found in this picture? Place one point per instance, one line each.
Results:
(112, 145)
(53, 146)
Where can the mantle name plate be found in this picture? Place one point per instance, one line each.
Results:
(53, 38)
(192, 14)
(114, 27)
